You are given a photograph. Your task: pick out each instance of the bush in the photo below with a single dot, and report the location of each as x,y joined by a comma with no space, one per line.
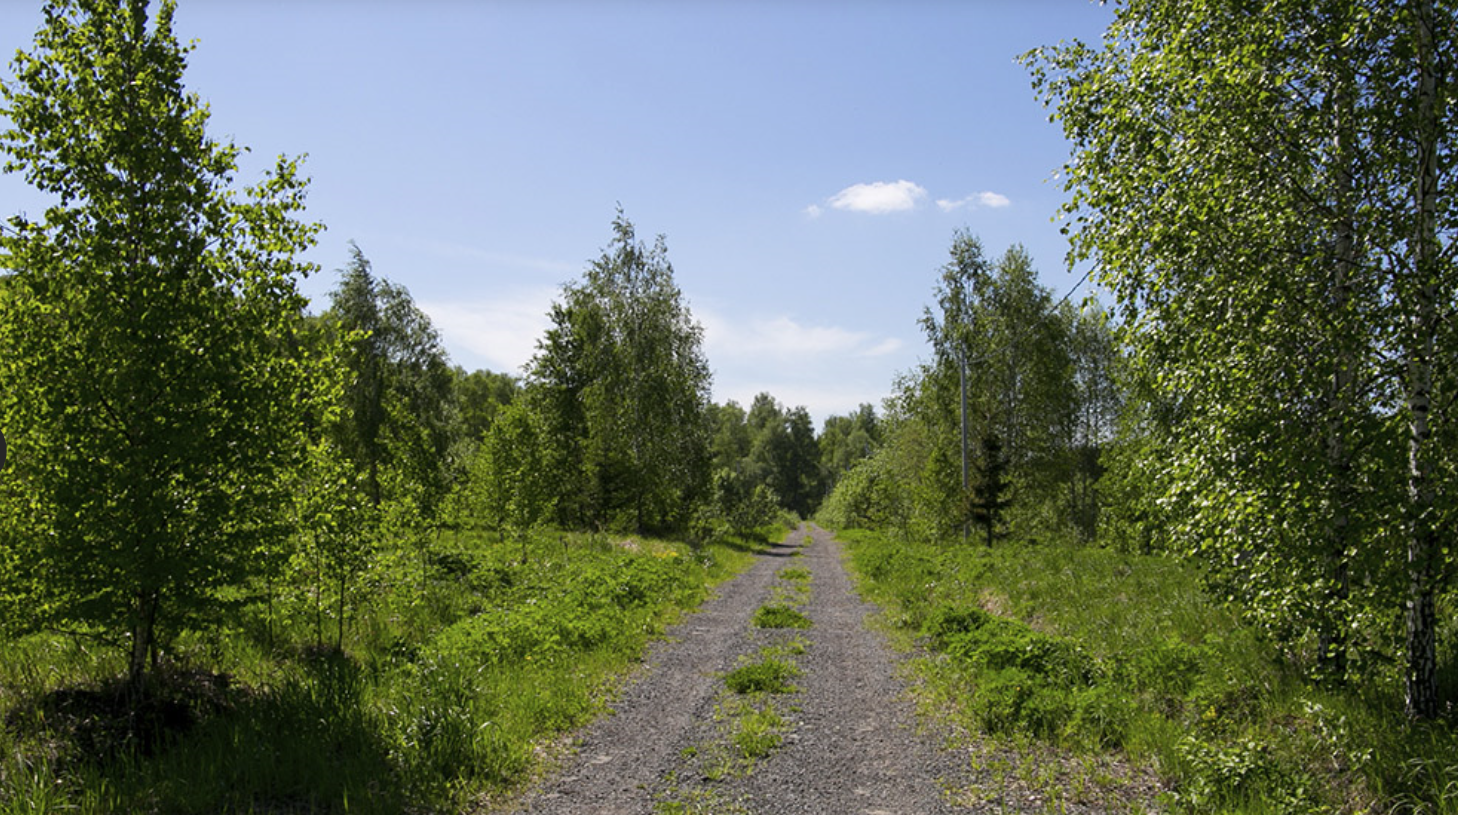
1232,777
998,644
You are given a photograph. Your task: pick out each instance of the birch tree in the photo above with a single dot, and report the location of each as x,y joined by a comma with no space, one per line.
1261,188
151,385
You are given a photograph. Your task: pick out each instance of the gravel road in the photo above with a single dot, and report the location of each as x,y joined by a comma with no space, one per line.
848,738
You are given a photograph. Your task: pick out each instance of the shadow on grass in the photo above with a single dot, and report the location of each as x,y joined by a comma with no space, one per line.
309,744
197,745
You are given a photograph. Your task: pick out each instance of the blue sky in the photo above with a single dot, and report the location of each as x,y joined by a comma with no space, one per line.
808,162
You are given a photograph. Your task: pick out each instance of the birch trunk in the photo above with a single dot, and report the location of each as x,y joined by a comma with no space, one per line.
1422,549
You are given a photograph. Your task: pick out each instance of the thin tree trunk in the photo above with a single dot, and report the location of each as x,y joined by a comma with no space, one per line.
1422,549
339,641
144,632
318,592
1335,617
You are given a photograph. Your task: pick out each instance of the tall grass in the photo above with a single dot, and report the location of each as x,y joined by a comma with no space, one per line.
1094,651
449,679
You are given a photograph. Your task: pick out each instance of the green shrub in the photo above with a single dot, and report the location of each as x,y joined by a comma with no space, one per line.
945,623
998,644
1147,661
1237,776
997,702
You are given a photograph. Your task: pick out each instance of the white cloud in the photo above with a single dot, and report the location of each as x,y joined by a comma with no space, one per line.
890,345
783,339
879,198
502,332
813,211
980,199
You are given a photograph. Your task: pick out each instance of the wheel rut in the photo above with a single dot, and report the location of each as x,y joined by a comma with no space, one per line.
847,737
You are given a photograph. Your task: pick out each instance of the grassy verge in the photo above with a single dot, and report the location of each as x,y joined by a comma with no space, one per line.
445,690
1115,661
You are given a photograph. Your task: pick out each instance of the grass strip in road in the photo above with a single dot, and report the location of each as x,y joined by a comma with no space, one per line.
794,574
769,675
779,616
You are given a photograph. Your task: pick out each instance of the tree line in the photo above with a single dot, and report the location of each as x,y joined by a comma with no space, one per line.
1004,429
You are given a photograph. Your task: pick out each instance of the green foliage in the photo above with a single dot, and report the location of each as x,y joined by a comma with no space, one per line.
769,448
336,522
987,494
872,495
1283,299
622,388
737,506
480,396
509,486
1239,776
1039,400
399,423
757,733
993,643
147,338
591,609
779,616
766,676
846,440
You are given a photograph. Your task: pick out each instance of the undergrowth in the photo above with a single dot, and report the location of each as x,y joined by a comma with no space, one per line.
1097,653
449,677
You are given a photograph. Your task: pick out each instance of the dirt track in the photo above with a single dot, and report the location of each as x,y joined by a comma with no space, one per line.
849,740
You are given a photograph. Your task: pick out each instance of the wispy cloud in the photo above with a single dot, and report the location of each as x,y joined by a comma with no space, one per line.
827,369
879,198
782,339
976,199
813,210
501,332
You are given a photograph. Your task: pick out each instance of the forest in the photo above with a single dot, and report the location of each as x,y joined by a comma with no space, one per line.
1206,527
